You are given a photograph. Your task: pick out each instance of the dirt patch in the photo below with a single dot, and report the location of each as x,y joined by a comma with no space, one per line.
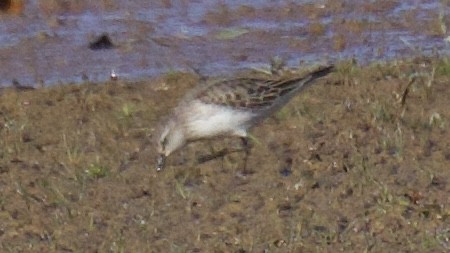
344,166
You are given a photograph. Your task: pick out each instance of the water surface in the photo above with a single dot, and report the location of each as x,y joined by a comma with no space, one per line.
48,42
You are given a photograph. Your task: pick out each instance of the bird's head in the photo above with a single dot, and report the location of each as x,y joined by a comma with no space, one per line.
171,139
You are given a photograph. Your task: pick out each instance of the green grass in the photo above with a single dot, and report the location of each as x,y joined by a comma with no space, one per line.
97,171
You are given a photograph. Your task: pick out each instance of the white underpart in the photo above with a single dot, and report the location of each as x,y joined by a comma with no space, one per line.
208,120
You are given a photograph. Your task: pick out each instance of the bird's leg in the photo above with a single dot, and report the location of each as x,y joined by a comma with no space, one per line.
246,148
217,154
212,156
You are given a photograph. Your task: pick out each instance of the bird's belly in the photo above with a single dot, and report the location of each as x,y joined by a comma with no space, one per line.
215,120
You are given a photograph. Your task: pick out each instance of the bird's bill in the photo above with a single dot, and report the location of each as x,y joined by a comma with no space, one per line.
161,162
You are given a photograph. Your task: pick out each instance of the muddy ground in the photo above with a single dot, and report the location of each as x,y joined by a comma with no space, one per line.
345,166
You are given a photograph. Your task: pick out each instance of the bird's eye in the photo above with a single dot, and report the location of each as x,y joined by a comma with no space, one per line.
163,142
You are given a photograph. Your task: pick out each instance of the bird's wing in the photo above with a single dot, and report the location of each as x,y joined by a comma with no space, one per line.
255,93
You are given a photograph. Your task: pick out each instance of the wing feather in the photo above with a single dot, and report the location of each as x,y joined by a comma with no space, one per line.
256,93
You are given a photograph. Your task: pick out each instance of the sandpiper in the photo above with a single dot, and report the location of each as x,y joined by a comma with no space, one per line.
229,108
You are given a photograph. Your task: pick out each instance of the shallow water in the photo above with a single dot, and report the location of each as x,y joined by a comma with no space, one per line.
47,43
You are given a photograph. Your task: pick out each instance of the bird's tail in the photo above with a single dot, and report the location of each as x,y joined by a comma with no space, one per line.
322,71
288,88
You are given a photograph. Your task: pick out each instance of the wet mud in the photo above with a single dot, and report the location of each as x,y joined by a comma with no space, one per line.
47,42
